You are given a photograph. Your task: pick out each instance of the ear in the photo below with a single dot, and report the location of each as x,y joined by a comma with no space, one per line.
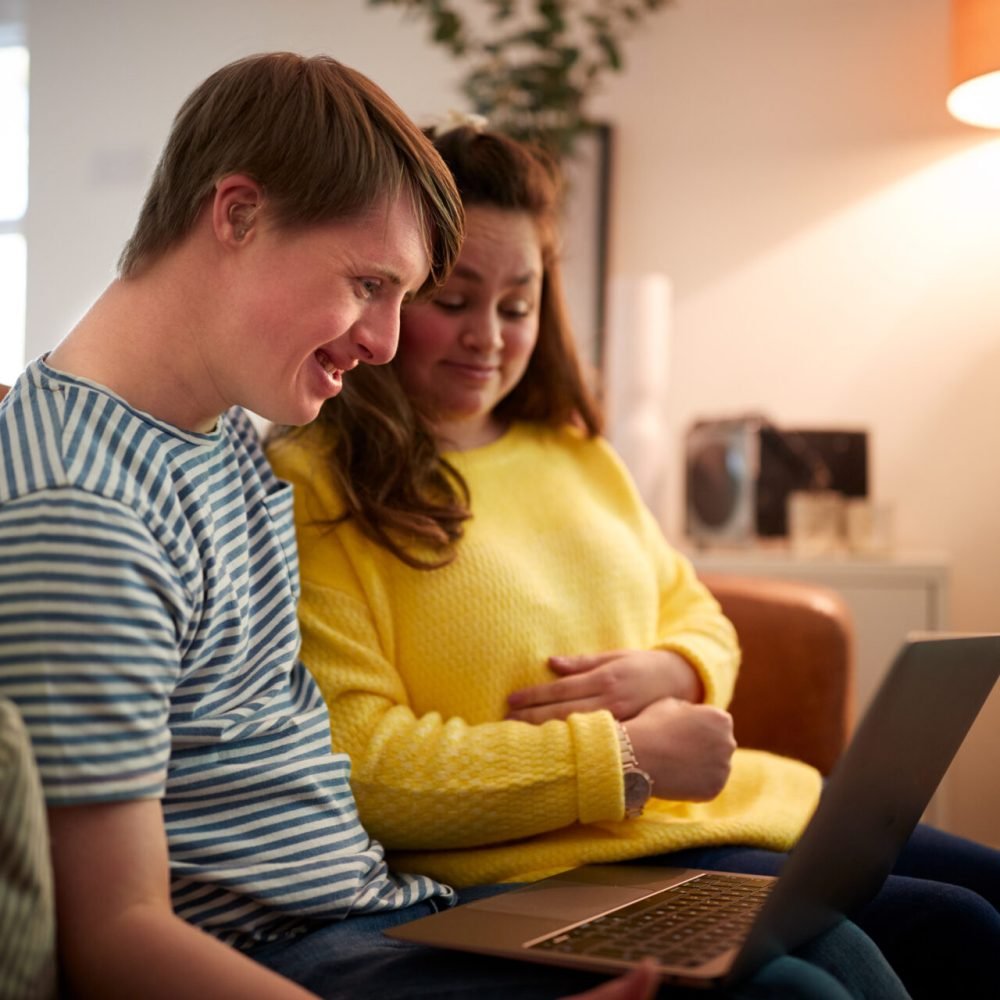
235,208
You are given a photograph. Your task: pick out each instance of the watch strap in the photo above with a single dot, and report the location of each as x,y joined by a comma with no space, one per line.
638,783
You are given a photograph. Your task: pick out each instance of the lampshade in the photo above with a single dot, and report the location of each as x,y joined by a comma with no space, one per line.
975,61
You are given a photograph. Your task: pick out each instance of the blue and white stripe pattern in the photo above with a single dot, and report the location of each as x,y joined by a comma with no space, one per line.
148,587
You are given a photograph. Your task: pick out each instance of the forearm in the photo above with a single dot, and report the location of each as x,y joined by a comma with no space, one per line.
149,952
428,783
713,661
117,932
692,625
424,780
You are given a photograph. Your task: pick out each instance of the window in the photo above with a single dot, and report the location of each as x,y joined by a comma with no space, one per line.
13,201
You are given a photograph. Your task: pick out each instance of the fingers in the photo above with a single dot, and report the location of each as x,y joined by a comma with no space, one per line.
618,681
650,674
639,984
558,700
573,688
622,681
585,661
687,748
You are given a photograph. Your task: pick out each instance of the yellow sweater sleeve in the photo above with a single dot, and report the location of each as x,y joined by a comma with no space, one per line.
693,625
493,781
427,778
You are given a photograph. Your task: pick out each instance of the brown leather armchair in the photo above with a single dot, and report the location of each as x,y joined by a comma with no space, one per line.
795,688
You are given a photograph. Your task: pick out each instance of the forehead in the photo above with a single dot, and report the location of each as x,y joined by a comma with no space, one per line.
390,237
500,241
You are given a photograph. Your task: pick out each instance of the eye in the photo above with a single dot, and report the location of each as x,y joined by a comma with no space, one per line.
517,308
450,302
369,287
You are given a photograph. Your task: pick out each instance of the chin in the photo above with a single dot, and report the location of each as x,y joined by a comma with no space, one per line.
296,415
305,416
467,407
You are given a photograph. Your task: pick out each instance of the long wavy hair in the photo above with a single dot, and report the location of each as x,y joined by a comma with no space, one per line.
398,488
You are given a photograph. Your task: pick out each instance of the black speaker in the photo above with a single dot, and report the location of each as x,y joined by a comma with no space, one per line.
740,471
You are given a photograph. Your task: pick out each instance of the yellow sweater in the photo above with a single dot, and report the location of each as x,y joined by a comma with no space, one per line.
561,557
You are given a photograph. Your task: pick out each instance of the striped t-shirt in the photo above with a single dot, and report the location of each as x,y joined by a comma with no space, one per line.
148,588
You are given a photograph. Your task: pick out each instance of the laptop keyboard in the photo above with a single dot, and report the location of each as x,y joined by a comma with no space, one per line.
685,925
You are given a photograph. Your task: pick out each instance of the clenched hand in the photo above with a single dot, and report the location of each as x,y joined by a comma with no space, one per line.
687,749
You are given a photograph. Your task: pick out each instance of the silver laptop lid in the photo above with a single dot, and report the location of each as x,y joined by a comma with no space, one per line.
879,788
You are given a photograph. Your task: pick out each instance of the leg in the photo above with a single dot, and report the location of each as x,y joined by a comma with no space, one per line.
933,854
942,939
844,961
352,959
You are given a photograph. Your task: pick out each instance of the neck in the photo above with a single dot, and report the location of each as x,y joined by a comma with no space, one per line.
465,435
141,339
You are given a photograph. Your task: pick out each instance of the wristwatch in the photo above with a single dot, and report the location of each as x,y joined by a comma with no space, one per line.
638,783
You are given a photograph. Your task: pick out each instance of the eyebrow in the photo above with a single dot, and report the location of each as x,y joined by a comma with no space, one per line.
390,275
394,279
471,275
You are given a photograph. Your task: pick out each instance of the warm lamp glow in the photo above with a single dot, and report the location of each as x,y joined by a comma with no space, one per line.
975,61
977,101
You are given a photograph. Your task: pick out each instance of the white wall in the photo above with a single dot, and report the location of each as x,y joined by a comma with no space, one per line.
107,76
832,235
834,241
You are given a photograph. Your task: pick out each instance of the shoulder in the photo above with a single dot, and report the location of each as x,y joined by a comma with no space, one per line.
60,431
529,441
586,462
547,460
33,422
72,442
591,453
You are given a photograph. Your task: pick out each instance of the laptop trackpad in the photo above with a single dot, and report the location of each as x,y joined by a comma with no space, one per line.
562,902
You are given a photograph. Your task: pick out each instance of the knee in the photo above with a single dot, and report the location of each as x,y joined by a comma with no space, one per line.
945,911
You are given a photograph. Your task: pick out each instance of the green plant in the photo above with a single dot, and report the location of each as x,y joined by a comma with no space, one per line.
533,67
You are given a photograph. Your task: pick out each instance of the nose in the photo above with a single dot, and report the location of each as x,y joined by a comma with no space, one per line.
482,332
377,341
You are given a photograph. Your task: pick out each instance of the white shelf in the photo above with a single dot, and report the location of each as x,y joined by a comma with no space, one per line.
888,597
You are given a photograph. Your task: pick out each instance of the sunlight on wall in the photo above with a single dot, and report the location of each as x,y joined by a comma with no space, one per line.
883,314
899,277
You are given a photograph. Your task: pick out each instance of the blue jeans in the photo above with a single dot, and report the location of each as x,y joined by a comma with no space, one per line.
353,960
936,918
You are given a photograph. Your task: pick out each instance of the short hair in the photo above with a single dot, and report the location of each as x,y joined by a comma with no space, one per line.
322,140
396,485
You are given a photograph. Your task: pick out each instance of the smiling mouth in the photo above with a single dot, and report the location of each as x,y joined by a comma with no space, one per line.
327,365
476,371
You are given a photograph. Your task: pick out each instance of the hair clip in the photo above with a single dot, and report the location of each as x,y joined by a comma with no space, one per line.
461,119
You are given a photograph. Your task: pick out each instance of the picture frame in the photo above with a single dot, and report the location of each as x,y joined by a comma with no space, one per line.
585,233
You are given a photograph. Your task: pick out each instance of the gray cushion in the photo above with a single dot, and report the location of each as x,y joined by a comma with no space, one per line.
27,913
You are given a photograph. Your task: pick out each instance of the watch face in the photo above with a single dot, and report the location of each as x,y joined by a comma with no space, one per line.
638,788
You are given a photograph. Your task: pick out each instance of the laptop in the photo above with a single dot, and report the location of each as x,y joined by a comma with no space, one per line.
714,928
